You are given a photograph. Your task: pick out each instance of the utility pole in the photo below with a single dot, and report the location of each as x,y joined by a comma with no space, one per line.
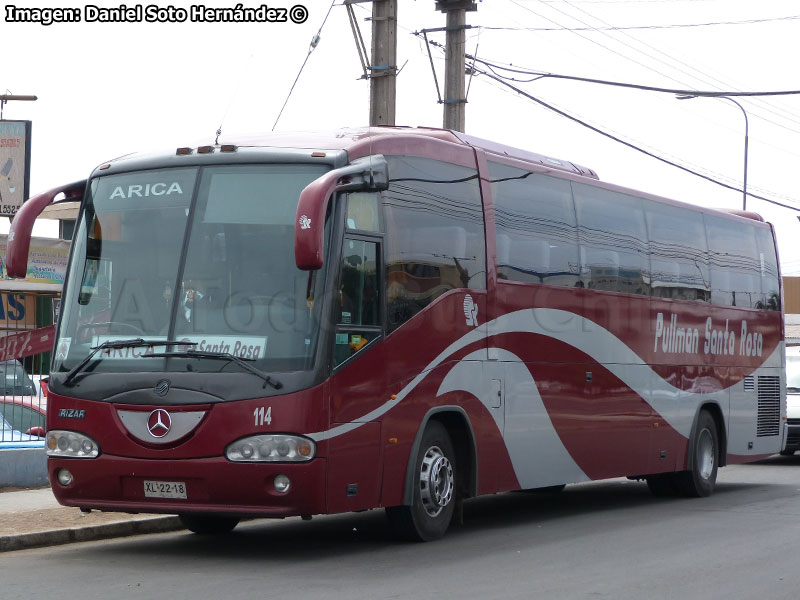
454,76
383,66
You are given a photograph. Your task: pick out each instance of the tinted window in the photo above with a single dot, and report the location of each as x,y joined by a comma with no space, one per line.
434,234
768,263
358,320
358,290
735,268
536,234
678,252
613,240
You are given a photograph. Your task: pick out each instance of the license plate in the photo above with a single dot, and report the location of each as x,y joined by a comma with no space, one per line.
165,489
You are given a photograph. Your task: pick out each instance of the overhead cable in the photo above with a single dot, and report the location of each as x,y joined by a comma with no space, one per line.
628,27
628,144
311,47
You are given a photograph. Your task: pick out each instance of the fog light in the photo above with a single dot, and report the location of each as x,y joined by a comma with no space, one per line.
64,477
282,484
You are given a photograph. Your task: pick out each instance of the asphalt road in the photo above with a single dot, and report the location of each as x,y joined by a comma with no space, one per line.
599,540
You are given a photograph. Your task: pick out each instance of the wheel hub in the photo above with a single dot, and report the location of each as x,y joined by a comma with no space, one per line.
435,481
705,452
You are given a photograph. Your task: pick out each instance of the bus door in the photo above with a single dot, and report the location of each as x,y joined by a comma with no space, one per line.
358,384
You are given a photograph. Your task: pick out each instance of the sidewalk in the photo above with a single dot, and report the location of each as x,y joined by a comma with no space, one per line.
32,517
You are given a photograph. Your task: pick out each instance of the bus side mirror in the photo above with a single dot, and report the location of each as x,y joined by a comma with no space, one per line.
370,173
19,234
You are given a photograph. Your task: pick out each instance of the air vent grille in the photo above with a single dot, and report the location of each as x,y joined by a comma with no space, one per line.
769,406
749,383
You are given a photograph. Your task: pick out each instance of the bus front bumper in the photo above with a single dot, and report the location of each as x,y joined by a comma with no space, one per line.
210,485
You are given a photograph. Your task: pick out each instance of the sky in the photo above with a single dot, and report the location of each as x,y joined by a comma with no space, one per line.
109,89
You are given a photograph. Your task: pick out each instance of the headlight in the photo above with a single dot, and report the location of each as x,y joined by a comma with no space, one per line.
271,448
68,444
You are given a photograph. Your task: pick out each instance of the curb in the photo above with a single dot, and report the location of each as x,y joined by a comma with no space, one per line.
55,537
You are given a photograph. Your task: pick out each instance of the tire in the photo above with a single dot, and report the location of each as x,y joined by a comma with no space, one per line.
208,524
701,477
435,490
787,452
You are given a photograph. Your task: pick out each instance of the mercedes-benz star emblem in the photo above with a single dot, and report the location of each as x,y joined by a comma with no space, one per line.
159,423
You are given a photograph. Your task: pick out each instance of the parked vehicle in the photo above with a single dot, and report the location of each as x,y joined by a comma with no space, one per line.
9,434
25,414
23,404
792,401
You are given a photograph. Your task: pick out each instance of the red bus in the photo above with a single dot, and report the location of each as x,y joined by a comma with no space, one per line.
398,318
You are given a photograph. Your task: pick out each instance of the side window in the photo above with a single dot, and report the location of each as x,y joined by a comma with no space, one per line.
434,234
358,302
613,240
362,211
535,222
768,264
735,268
678,252
21,417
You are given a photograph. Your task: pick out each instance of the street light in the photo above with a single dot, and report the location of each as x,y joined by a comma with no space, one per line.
4,98
746,138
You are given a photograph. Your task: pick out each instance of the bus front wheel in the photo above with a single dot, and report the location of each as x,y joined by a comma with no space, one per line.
434,482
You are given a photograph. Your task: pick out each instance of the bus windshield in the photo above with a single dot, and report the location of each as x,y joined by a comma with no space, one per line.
204,255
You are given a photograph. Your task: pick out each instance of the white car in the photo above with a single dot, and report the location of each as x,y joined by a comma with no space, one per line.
792,400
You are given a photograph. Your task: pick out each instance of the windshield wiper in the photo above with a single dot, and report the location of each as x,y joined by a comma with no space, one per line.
224,356
116,345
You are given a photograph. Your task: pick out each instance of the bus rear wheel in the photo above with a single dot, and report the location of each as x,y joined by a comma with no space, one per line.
701,477
208,524
434,500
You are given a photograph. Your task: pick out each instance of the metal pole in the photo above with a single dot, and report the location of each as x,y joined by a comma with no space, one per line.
746,143
383,70
746,139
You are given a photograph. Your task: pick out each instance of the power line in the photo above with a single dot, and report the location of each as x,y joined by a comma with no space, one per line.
595,42
791,118
542,74
492,65
627,27
628,144
699,171
623,1
703,76
311,47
